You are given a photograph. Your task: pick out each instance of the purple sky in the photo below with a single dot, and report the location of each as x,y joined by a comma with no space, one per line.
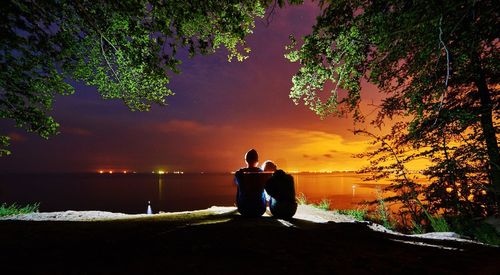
220,110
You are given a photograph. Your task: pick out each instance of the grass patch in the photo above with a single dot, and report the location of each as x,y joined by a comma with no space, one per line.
14,209
323,204
417,228
486,233
301,199
382,212
439,224
476,229
358,214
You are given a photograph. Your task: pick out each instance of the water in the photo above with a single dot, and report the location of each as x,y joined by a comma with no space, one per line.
130,193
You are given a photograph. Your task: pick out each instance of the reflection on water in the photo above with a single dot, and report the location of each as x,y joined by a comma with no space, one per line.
160,188
344,190
130,193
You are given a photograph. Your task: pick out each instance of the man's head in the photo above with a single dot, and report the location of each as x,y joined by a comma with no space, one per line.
252,158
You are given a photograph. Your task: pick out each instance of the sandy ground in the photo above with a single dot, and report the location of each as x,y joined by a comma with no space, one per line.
304,212
218,240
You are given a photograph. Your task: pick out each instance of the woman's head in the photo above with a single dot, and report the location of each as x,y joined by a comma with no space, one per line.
269,166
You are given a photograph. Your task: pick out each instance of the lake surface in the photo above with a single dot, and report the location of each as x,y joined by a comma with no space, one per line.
129,193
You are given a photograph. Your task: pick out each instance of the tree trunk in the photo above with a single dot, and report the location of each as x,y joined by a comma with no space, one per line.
488,129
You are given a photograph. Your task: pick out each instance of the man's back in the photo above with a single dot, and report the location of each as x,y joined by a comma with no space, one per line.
250,197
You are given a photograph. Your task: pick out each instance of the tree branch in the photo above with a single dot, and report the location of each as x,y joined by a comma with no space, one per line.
441,42
107,61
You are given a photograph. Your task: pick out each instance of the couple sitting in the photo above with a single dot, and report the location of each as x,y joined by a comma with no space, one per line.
252,181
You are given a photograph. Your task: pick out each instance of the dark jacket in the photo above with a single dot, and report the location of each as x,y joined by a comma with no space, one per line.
250,197
281,188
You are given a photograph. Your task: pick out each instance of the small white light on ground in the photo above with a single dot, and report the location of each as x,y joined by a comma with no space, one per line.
150,211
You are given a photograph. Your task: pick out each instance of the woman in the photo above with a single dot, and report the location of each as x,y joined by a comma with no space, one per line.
281,189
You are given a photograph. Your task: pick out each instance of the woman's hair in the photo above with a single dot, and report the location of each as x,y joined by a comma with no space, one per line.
269,166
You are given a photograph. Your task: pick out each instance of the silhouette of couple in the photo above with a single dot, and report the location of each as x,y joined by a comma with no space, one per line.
252,181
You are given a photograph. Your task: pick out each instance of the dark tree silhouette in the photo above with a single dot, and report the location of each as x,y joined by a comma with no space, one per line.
437,62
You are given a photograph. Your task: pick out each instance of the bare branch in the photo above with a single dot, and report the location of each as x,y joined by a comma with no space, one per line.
107,61
271,14
441,42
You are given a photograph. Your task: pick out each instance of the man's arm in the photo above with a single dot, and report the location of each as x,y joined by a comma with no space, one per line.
237,177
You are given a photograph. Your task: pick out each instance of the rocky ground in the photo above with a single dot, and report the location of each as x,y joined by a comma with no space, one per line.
218,240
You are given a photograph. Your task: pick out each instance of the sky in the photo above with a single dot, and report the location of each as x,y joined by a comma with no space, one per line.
220,111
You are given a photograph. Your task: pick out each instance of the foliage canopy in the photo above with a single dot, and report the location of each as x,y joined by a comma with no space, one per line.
124,48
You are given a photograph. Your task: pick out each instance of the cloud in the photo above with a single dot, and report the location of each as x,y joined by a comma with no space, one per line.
16,137
303,149
183,126
222,146
77,131
317,142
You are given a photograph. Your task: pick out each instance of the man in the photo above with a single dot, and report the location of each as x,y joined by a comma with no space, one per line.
250,197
